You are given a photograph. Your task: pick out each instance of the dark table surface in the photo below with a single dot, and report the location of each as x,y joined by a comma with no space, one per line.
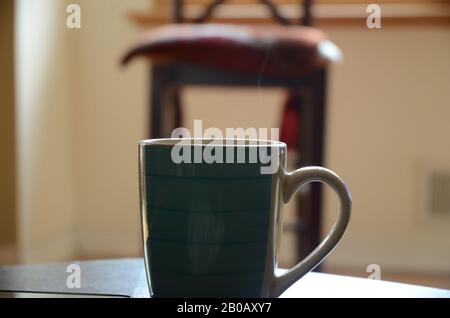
126,277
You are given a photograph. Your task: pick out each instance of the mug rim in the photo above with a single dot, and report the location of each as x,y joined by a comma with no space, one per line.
248,143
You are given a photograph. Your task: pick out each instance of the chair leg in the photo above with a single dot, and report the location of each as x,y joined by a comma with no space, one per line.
311,145
178,111
165,104
319,99
159,90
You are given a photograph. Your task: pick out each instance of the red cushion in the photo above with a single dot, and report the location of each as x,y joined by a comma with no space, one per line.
276,50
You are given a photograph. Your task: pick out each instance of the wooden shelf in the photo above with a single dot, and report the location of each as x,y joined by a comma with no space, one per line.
326,12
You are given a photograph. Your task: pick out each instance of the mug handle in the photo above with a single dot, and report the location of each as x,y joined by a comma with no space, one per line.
291,183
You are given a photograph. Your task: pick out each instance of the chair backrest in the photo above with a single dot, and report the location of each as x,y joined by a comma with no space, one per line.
178,14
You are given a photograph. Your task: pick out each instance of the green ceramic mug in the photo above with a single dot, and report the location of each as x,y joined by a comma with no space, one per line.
211,227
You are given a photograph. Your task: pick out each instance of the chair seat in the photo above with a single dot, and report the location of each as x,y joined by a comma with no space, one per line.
270,50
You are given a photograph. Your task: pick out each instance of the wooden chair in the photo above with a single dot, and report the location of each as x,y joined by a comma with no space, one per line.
287,56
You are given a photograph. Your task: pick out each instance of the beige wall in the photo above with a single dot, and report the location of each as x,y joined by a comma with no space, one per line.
7,152
45,134
387,117
76,164
389,109
109,117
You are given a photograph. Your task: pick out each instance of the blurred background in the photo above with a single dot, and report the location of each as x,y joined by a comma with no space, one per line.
71,117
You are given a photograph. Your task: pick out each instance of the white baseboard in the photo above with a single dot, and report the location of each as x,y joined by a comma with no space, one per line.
52,247
403,261
108,245
57,250
8,254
